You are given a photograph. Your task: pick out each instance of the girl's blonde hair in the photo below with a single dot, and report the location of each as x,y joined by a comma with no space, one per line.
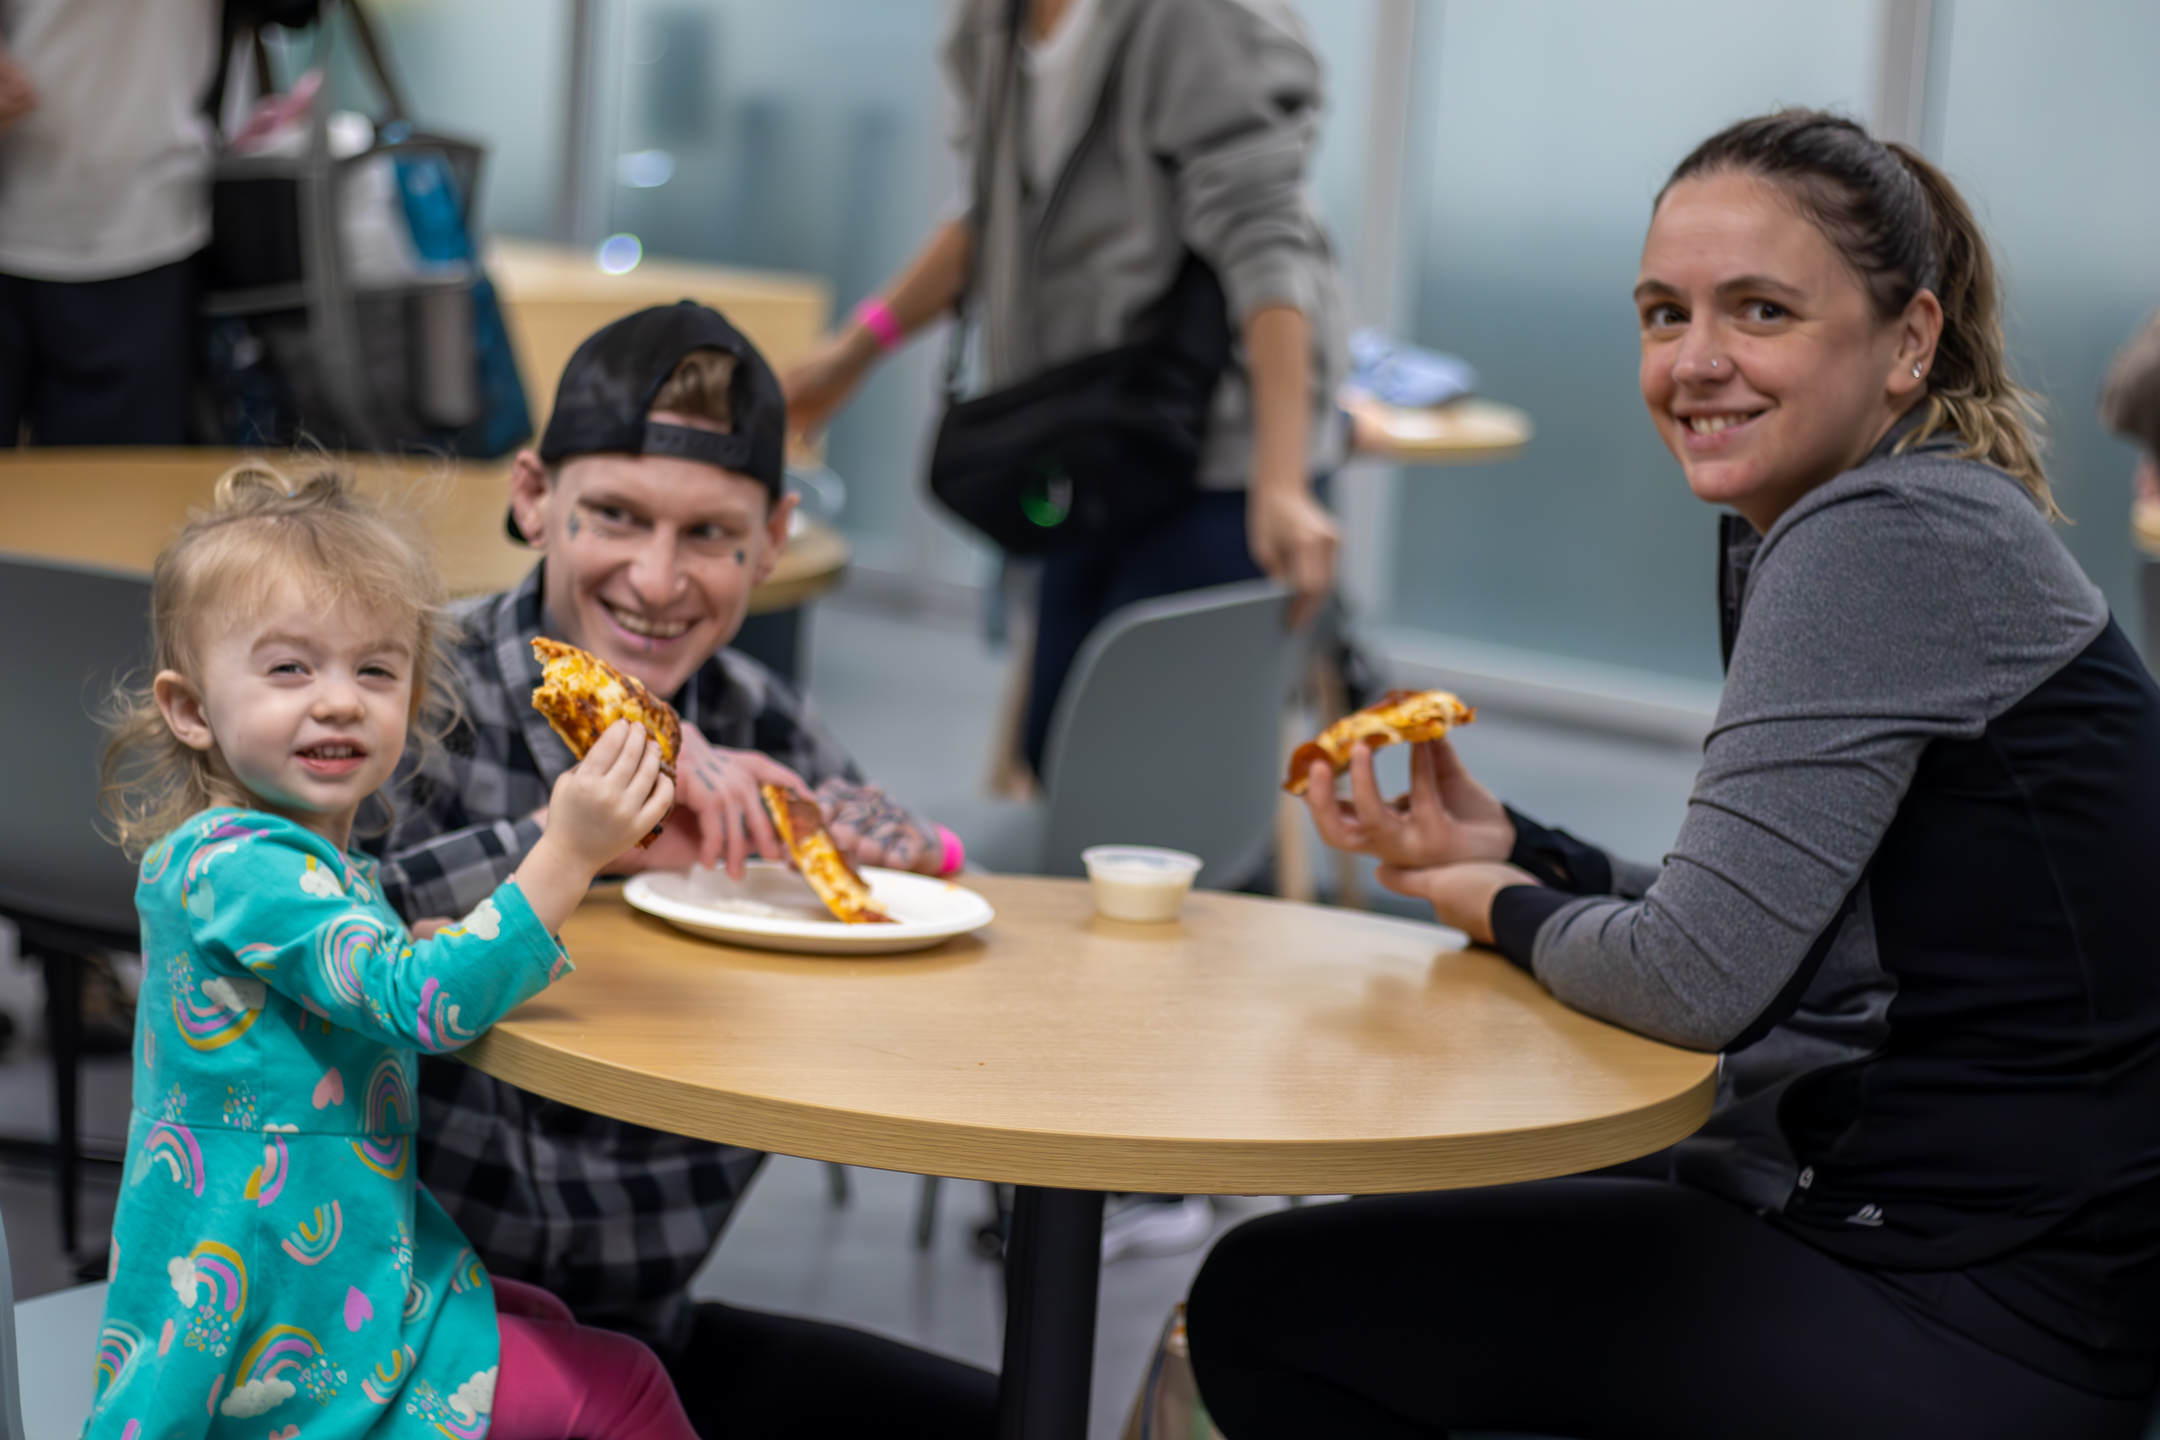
262,531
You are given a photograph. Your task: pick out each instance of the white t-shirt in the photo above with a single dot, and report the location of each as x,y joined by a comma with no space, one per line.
1056,114
107,177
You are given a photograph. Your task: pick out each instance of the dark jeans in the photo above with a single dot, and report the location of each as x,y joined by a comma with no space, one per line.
97,362
745,1373
1203,544
1597,1309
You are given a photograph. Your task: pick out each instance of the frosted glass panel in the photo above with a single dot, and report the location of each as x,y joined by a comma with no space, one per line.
2048,120
809,136
1342,33
490,71
1544,130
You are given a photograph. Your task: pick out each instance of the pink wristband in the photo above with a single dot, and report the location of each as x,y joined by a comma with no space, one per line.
955,854
876,316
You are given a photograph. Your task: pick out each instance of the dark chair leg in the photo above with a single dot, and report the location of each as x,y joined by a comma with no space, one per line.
836,1179
63,1036
926,1213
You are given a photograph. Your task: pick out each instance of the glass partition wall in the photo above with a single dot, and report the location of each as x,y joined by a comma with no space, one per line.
813,136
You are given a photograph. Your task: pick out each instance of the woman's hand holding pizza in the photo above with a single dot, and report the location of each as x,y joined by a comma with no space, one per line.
1446,818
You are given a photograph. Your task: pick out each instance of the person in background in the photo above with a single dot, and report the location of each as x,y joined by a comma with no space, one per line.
1140,129
104,200
656,502
2130,406
1909,904
1136,131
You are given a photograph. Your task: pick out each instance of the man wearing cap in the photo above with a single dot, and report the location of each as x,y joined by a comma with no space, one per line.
656,501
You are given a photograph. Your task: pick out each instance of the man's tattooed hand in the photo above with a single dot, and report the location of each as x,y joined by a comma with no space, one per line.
719,814
873,829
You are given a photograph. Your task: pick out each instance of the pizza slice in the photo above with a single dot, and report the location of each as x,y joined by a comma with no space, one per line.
581,695
802,829
1402,716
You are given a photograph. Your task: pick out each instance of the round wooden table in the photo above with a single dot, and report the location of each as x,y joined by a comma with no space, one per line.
1254,1047
117,508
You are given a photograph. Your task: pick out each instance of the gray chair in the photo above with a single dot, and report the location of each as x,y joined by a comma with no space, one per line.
58,1335
1169,732
69,632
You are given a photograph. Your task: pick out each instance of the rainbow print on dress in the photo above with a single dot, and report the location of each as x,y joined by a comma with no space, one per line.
173,1147
467,1273
438,1020
267,1181
317,1236
387,1145
284,1358
344,946
212,1283
382,1387
218,1011
119,1347
464,1415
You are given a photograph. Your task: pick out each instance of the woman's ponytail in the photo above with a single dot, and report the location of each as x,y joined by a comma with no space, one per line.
1902,225
1970,392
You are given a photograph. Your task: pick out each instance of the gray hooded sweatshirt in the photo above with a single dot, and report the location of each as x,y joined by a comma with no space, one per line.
1201,119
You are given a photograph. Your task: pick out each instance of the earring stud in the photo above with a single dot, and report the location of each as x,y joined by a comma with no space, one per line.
1916,369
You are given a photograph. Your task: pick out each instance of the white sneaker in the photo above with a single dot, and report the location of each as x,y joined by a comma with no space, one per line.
1149,1227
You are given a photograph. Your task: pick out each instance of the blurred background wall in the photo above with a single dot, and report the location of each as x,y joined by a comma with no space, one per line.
1487,172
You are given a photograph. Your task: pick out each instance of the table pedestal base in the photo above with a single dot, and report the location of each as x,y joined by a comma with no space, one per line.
1053,1265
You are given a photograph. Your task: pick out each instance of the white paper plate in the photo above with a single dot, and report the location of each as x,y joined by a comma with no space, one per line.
773,908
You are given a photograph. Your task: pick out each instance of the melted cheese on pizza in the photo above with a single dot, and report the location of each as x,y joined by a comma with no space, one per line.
802,830
1403,716
581,695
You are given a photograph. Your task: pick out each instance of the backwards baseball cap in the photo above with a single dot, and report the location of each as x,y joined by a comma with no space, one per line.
608,387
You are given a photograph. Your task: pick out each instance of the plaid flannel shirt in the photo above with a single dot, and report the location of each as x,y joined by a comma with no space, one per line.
613,1217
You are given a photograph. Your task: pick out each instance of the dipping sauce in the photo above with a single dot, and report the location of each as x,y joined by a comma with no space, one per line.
1139,882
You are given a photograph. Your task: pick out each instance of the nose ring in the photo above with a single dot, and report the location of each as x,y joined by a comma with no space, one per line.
1715,363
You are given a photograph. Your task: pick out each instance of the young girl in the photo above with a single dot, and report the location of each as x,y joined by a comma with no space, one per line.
275,1268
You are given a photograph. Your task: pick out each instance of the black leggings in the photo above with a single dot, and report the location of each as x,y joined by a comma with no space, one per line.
746,1373
1597,1309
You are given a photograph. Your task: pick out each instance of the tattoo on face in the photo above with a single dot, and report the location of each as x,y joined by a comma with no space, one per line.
742,557
573,524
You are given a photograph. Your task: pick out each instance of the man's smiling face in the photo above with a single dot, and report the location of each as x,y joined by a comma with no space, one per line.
650,558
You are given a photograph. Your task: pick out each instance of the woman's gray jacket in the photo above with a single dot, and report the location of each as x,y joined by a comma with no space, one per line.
1205,117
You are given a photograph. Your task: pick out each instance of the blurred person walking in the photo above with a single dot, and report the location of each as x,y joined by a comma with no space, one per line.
1109,140
104,156
2130,405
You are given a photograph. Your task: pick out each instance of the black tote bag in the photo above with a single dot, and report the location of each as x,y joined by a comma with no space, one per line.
1092,452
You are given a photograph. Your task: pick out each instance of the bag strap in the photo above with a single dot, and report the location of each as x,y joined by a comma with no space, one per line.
243,20
987,140
372,52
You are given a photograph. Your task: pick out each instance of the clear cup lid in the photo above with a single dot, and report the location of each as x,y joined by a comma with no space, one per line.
1141,861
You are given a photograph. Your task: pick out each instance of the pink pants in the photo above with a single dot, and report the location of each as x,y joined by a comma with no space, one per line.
564,1381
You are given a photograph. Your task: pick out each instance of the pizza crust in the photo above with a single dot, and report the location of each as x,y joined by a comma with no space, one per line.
580,695
802,830
1402,716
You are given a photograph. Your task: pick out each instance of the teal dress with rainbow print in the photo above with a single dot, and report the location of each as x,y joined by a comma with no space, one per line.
276,1270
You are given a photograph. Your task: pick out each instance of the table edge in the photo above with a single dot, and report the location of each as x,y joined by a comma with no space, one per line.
1363,1165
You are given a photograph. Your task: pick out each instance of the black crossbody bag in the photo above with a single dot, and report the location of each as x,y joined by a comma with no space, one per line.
1092,452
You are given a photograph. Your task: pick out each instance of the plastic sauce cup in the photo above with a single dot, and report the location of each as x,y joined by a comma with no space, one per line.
1139,882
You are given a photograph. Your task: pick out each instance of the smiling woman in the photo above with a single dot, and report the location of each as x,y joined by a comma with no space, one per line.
1906,906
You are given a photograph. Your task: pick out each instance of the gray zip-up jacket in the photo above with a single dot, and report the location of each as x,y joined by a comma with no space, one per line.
1204,117
1911,902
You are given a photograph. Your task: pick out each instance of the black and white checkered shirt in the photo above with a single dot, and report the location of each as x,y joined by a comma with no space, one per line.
612,1217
